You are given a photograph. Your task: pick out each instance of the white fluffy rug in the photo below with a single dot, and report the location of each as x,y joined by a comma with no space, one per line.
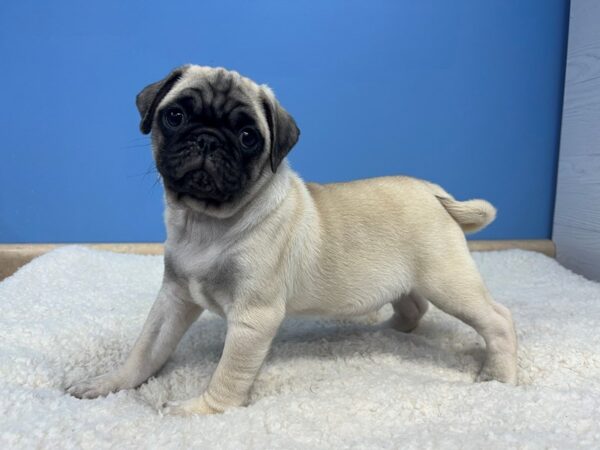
74,313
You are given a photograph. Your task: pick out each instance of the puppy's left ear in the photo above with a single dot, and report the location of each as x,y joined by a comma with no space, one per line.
282,126
148,100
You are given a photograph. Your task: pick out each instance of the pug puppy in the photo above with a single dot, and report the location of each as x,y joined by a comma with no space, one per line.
252,242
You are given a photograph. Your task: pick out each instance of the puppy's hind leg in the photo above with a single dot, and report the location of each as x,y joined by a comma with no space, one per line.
455,286
408,310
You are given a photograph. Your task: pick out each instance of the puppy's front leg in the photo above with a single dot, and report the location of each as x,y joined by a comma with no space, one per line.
248,340
169,318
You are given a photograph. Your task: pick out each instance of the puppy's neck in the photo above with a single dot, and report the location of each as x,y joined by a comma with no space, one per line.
181,219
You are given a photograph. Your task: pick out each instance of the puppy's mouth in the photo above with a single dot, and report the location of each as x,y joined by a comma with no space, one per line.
212,177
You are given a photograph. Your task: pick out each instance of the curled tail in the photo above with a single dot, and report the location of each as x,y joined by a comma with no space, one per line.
471,215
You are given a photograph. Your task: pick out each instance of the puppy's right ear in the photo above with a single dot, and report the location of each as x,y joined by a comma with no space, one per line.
148,100
282,126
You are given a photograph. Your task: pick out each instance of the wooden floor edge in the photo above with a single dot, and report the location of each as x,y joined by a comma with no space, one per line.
13,256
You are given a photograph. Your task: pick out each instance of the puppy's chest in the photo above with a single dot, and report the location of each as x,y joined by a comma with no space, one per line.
209,273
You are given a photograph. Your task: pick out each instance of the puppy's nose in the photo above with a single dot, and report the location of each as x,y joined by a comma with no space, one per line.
208,142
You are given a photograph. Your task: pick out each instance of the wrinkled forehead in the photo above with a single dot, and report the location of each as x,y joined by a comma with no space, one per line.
220,92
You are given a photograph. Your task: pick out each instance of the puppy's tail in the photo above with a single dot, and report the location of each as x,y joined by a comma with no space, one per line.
471,215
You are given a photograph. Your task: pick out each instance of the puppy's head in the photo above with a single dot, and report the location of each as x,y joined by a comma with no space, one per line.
217,136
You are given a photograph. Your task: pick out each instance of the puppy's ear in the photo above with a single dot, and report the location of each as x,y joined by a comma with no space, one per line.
148,100
283,128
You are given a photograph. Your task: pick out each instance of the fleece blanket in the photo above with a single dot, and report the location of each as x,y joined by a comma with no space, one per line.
75,312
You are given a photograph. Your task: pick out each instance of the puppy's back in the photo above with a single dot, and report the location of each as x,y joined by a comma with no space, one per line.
410,200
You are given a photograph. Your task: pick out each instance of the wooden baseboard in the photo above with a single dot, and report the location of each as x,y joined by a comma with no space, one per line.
545,246
13,256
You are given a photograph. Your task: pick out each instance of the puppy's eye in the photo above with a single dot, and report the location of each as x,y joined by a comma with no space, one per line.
173,118
248,138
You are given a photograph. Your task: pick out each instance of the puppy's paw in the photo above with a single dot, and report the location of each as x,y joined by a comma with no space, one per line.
189,407
408,311
505,373
95,387
400,323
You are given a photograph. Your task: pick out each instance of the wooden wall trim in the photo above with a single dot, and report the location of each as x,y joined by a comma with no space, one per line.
13,256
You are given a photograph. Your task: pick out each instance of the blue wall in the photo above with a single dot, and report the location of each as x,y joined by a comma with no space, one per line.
464,93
